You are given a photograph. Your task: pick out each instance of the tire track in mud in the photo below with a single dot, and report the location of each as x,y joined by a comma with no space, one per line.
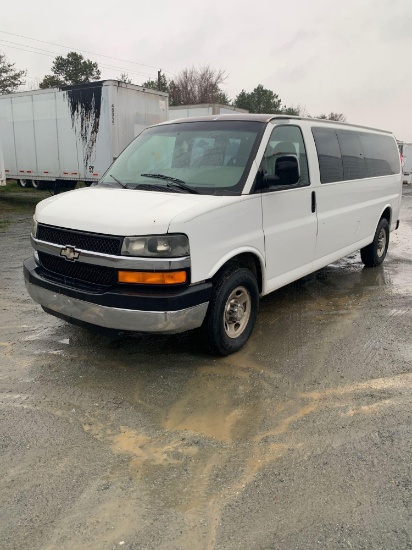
202,456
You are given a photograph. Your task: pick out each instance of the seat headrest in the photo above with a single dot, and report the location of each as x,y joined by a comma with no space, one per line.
284,147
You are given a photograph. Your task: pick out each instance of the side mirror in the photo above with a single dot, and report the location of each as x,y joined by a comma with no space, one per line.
287,170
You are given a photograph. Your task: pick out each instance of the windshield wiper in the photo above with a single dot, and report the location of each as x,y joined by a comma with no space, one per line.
118,181
172,181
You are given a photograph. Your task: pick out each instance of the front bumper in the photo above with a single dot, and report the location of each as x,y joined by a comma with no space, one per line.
168,312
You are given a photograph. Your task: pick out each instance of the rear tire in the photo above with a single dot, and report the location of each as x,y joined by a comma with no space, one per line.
39,185
25,183
232,311
374,254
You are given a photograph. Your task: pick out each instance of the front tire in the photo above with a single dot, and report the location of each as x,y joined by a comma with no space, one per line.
232,311
374,254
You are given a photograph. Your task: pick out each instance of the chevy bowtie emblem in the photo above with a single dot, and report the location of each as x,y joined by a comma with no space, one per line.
70,253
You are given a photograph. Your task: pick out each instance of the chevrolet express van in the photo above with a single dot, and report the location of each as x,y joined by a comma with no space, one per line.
198,218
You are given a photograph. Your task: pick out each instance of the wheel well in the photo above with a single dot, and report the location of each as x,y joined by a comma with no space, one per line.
386,214
248,260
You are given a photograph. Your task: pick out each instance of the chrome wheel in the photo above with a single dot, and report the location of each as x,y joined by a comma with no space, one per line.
237,312
381,244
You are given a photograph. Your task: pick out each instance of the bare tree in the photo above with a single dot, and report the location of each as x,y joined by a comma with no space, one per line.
198,85
295,110
124,77
337,117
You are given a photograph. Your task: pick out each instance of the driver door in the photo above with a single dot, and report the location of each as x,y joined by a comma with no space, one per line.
289,211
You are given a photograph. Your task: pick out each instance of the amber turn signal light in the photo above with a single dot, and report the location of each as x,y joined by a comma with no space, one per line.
147,278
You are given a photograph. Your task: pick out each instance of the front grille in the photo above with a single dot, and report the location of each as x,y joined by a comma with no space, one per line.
79,239
98,275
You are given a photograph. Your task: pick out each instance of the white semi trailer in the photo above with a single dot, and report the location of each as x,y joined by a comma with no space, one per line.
57,137
407,162
2,171
202,109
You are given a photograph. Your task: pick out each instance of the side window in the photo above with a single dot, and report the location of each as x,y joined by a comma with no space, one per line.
352,155
381,155
329,155
286,140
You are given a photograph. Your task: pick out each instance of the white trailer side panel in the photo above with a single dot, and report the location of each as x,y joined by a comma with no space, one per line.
2,172
7,136
45,129
24,137
204,109
185,112
134,110
407,158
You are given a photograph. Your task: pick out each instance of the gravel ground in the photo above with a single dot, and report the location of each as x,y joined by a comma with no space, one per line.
300,441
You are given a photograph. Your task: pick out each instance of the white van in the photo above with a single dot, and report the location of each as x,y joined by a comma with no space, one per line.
199,217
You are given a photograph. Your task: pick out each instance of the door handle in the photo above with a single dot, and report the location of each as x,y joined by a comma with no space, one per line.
313,201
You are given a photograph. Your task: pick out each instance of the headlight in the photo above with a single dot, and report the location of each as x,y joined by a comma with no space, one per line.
34,227
157,246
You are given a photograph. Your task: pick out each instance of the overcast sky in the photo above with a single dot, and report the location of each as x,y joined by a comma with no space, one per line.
348,56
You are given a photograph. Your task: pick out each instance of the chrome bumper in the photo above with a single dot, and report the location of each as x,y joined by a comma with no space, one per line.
167,322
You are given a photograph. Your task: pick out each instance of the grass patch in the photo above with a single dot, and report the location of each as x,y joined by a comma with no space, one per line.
4,224
18,200
15,200
13,187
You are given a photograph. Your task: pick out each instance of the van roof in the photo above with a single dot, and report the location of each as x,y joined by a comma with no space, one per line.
264,118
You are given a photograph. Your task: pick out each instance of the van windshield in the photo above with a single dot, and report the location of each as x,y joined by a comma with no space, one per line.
207,157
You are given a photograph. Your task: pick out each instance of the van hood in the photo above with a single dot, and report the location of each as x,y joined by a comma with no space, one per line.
113,211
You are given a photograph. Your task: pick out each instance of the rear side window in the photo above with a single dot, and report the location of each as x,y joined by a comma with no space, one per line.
329,155
381,155
349,155
352,155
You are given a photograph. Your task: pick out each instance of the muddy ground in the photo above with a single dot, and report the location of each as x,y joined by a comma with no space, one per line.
300,441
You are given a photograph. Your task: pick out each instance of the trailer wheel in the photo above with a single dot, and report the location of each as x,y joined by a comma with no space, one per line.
374,254
39,185
24,183
232,310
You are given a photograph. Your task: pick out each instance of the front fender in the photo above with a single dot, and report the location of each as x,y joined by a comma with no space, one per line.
236,253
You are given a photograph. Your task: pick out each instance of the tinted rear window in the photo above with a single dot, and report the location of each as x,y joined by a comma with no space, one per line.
349,154
352,155
329,155
381,154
